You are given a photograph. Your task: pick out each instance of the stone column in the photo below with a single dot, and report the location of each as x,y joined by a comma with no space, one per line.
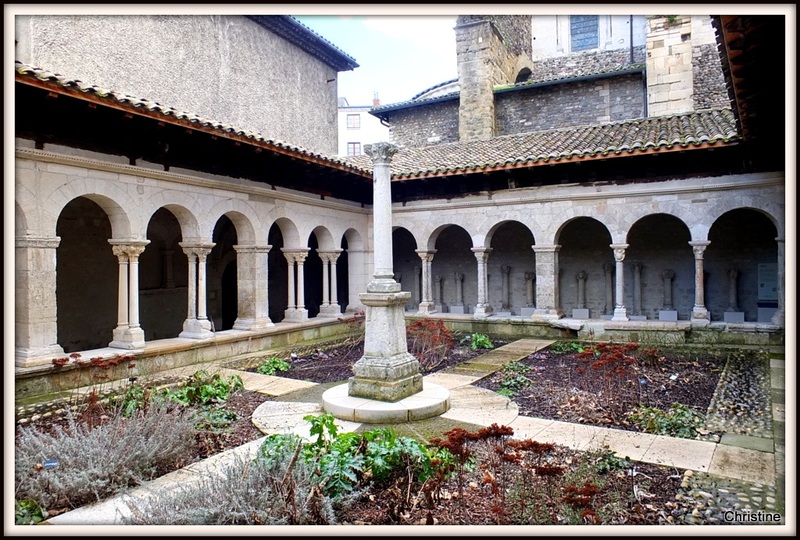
506,272
252,275
387,371
437,291
620,313
296,310
733,297
700,315
196,327
128,334
458,278
530,282
581,277
637,288
169,279
426,304
608,273
483,308
330,305
35,306
779,317
667,276
547,295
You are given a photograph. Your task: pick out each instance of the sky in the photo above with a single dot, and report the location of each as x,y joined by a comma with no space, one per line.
398,56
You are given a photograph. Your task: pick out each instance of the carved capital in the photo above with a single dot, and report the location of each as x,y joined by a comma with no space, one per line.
381,153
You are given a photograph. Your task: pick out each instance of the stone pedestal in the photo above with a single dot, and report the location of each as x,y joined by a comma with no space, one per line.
387,371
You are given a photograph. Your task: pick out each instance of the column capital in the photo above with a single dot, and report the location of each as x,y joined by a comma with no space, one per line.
552,248
381,152
329,255
131,248
253,248
619,251
199,249
426,255
699,246
505,268
41,242
481,253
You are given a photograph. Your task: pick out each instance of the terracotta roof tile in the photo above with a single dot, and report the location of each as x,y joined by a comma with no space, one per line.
25,70
689,130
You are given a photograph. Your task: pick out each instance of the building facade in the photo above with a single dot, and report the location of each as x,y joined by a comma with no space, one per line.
358,128
139,227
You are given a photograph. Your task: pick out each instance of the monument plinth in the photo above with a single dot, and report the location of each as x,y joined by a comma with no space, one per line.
386,386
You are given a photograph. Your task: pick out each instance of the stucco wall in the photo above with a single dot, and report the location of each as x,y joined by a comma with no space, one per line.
224,68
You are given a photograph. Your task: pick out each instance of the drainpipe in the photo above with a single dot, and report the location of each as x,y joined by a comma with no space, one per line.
631,25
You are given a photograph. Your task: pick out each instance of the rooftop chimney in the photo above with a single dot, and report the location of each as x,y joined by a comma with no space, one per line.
375,101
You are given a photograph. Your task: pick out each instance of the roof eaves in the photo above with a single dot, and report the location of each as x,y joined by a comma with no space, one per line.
302,36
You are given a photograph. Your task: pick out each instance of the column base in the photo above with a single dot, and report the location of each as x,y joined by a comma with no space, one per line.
545,314
196,329
25,356
700,316
620,314
128,338
296,315
253,325
331,310
386,378
482,311
426,308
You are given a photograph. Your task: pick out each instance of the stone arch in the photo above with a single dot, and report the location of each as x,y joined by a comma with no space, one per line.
583,259
324,238
20,220
163,273
112,200
87,274
456,265
406,264
289,232
510,264
175,202
244,218
658,247
741,264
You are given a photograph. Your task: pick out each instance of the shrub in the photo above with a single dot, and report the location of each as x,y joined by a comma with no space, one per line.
479,341
679,421
566,346
203,388
429,341
270,366
94,463
275,488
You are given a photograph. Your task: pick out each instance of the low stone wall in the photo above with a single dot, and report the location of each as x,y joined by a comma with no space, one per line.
49,382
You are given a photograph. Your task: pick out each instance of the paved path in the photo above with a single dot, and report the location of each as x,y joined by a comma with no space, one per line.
732,459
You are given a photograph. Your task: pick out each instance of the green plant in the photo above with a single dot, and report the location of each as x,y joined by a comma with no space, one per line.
478,341
605,461
679,421
566,346
202,388
27,512
215,419
271,365
513,378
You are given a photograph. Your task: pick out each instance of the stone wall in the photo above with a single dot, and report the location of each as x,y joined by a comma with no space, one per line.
573,104
585,63
709,82
222,68
425,125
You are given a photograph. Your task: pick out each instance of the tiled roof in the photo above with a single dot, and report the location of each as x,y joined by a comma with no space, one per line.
631,137
609,71
26,71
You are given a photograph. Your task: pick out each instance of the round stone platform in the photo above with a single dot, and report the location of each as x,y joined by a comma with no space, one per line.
432,401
